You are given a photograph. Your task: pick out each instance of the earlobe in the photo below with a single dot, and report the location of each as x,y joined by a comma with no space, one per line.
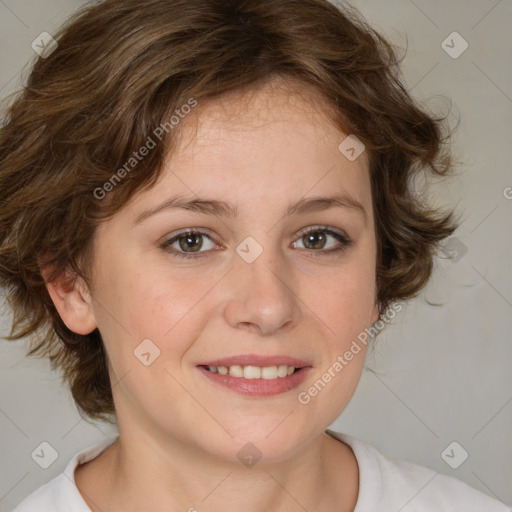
72,301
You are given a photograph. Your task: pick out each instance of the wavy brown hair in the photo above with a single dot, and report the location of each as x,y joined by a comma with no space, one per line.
121,68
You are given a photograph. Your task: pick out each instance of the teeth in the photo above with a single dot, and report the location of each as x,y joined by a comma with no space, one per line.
254,372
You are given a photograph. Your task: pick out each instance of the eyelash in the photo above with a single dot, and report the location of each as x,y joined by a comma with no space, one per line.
343,239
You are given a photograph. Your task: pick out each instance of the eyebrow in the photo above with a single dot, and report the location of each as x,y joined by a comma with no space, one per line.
225,209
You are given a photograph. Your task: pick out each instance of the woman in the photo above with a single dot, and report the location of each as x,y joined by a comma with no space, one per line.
206,204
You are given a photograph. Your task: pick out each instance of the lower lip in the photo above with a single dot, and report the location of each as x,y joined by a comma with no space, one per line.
258,387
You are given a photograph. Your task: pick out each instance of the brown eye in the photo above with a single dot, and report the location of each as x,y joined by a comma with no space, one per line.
188,244
191,241
318,240
314,240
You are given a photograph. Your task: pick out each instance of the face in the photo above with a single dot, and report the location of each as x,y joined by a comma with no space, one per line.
268,273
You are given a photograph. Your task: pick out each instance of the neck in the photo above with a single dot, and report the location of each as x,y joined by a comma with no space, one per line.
149,473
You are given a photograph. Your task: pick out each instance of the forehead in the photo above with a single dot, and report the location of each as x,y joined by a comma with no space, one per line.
263,108
270,145
278,126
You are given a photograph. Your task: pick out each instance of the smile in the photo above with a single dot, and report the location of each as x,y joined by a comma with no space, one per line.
254,372
256,381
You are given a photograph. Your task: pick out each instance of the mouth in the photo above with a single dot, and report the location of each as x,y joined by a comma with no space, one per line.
256,375
253,372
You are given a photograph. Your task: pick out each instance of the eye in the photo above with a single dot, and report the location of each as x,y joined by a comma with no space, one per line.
316,239
187,244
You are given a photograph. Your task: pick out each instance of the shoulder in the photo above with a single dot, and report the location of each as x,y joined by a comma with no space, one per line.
47,497
387,483
61,493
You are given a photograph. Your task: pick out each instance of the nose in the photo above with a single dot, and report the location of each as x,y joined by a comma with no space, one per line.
260,295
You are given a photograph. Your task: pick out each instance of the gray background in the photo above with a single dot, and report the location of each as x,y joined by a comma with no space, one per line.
441,373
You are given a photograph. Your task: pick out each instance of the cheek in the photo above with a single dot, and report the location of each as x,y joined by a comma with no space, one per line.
349,301
157,306
343,298
157,303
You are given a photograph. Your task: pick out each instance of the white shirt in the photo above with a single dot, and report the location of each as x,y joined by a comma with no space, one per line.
385,485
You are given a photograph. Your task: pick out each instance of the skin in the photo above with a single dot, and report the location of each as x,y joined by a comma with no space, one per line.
179,432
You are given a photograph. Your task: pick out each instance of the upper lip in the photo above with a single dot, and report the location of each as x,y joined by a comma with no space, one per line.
257,360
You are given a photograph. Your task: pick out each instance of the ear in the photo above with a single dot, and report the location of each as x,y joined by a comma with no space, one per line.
72,301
